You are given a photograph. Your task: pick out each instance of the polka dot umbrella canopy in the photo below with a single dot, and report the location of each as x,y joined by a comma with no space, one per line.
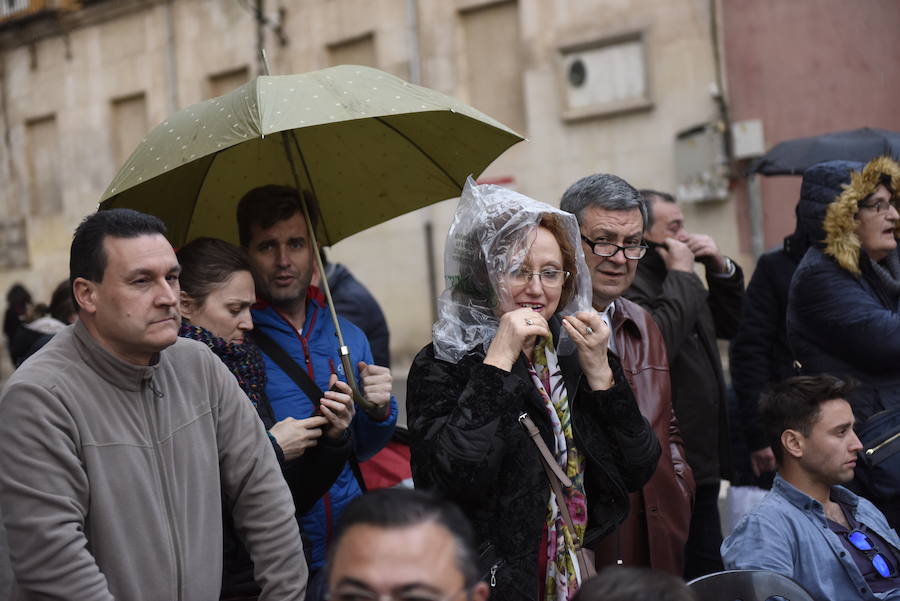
368,146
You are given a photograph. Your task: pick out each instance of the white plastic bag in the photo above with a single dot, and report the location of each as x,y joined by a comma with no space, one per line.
489,238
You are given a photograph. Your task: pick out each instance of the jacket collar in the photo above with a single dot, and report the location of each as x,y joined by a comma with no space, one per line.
624,316
806,503
118,373
266,313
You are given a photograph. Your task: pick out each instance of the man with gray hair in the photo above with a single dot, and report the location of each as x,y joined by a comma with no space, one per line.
612,216
691,318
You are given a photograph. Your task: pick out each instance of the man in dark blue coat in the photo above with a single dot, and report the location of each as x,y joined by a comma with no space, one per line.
760,354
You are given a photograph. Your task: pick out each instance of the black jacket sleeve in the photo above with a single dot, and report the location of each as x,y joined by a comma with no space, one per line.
752,349
459,415
725,300
676,310
635,449
311,475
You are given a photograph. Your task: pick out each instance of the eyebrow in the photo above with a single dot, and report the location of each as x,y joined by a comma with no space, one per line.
611,234
173,270
349,581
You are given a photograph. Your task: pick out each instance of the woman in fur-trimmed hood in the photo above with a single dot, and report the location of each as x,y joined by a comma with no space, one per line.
844,302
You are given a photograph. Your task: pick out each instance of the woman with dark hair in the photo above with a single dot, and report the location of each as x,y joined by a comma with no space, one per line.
29,338
517,341
18,300
216,294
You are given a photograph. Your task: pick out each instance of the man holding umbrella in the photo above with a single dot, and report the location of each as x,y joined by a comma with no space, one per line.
301,351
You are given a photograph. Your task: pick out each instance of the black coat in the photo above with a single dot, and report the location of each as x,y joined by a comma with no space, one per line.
691,318
760,354
849,327
354,301
468,445
308,477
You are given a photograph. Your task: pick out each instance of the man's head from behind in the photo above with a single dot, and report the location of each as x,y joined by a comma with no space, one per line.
617,583
611,215
809,424
407,544
272,229
124,278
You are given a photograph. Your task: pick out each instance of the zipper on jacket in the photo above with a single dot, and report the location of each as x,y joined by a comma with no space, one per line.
876,448
149,412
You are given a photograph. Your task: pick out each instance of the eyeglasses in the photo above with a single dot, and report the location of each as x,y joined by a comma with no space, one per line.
882,205
608,249
365,594
861,541
549,278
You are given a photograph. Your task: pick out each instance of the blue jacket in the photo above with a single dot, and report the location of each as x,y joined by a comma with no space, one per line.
843,325
318,345
787,533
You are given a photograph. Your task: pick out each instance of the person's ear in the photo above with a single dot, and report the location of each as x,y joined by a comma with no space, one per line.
793,443
481,592
85,293
188,306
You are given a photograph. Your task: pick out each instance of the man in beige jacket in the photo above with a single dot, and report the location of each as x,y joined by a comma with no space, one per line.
118,440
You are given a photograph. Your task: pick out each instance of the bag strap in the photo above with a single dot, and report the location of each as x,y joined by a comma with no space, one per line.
302,379
557,477
287,365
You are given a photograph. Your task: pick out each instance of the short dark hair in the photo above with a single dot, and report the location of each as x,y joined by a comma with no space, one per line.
61,306
267,205
87,257
605,191
621,583
795,404
18,296
206,263
648,195
402,508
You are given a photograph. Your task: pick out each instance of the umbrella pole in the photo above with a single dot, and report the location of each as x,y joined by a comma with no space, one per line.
358,397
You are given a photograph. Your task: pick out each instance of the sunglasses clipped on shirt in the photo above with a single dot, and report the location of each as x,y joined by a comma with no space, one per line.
880,562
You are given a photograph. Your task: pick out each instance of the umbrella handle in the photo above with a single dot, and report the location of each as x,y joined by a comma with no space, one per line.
358,397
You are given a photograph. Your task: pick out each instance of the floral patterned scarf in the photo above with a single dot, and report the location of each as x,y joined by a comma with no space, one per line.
563,577
243,360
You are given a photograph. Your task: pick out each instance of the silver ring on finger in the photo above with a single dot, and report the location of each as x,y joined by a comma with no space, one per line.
529,322
589,331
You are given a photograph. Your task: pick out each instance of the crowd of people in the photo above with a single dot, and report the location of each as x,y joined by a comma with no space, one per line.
185,428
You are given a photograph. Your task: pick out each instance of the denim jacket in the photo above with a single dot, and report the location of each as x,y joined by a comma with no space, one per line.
787,533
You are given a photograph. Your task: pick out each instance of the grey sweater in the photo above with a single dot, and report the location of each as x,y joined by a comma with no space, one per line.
111,477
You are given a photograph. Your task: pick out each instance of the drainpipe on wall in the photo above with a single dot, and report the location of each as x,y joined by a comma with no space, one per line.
734,170
171,57
415,77
757,241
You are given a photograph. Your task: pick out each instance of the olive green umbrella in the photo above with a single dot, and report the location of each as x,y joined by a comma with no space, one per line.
365,146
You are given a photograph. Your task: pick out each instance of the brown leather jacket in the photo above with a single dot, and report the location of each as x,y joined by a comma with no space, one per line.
655,532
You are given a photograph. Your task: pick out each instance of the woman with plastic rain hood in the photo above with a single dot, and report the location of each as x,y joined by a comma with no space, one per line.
517,347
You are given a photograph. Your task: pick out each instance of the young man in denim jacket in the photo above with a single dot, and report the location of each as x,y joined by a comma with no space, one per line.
836,544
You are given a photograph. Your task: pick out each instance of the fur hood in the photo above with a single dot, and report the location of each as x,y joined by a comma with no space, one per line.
841,241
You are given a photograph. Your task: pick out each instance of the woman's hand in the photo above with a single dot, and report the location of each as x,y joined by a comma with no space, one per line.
294,436
591,335
337,407
517,330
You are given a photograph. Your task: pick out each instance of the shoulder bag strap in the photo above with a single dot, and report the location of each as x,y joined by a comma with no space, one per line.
558,479
283,360
302,379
